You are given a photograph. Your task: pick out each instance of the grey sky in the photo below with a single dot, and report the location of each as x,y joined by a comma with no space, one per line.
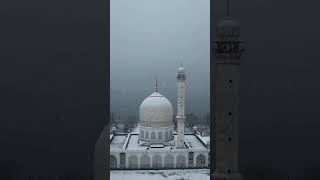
151,38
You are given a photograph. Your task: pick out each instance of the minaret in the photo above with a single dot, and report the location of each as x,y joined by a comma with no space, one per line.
227,53
156,86
181,77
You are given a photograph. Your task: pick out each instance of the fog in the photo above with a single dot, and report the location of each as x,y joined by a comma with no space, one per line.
150,39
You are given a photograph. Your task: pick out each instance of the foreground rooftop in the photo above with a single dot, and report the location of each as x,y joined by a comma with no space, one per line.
198,174
130,142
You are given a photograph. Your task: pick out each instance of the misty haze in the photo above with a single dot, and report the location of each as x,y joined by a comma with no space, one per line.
149,40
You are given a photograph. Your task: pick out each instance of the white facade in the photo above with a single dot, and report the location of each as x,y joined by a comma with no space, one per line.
156,135
131,155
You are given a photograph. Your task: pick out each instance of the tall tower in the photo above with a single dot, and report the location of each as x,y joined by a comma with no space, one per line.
181,77
227,53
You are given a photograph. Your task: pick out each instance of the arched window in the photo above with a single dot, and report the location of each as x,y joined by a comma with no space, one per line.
122,160
201,161
142,133
168,161
166,135
145,162
113,162
181,161
153,135
170,134
133,162
190,159
156,162
147,134
160,135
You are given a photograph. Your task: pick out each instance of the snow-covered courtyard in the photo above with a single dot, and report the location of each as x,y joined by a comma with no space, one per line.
174,174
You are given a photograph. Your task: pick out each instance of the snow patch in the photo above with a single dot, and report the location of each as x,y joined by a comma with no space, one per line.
185,174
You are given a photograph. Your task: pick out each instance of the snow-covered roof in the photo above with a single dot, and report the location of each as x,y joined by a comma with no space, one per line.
194,142
156,145
204,139
118,141
133,144
130,142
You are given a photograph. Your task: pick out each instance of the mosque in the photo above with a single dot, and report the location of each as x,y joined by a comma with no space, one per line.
155,144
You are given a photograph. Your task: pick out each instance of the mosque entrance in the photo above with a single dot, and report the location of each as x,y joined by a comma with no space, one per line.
181,161
145,162
156,162
113,162
133,162
201,161
168,161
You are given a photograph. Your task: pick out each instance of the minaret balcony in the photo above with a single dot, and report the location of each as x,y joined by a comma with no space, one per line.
180,117
181,77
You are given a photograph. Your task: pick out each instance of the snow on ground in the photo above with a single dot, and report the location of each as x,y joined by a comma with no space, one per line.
174,174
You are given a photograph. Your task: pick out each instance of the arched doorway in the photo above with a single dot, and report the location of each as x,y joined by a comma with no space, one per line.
113,162
168,161
133,162
153,135
181,161
145,162
157,162
201,161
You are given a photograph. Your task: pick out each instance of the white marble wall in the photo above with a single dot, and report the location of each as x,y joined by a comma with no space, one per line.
156,131
163,154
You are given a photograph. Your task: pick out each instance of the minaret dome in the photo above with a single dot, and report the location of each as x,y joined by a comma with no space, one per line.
228,28
181,71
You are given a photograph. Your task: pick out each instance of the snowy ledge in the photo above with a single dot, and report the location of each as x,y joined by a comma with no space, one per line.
174,174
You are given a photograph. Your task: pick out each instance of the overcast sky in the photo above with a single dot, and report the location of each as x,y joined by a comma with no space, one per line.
151,39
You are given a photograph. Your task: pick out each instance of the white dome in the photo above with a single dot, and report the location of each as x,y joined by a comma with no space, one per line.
156,111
